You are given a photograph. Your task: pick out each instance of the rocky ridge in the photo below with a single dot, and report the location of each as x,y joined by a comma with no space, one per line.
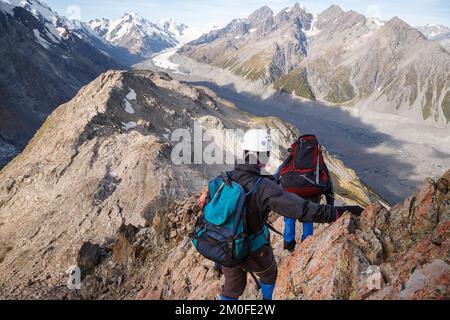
397,253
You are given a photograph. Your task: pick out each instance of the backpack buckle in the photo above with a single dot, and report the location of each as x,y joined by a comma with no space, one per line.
226,178
230,244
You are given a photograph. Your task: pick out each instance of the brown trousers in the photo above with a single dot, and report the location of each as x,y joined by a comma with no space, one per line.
262,263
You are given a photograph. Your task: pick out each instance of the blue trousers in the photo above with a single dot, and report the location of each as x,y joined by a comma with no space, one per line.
289,230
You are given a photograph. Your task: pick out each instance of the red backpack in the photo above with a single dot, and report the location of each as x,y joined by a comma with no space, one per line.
304,172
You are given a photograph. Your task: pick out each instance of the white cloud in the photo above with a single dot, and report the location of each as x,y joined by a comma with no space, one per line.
374,11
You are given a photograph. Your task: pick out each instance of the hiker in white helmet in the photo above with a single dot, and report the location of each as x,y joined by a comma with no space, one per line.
262,196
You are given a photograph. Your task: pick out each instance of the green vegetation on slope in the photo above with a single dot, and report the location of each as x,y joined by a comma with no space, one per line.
411,81
296,82
226,62
341,89
428,106
254,68
446,106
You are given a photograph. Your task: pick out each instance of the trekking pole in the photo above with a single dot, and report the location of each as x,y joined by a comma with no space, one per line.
272,228
255,279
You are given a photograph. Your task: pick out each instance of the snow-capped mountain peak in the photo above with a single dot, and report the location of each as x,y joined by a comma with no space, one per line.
438,33
134,19
55,27
173,27
434,31
296,6
375,23
100,26
37,8
133,32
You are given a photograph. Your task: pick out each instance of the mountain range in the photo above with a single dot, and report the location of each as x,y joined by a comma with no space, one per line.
338,57
66,55
437,32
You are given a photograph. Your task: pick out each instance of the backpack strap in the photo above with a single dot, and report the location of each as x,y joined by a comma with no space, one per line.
318,168
226,181
243,214
219,190
254,186
252,274
241,206
226,176
277,175
271,227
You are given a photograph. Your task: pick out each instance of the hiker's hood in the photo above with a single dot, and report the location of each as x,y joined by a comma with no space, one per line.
245,169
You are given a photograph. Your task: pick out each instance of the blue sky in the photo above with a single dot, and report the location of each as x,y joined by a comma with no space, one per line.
200,12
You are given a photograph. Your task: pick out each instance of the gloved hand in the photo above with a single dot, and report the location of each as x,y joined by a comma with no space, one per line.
354,210
203,198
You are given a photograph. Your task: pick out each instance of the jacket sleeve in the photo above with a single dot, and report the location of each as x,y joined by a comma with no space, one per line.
329,195
292,206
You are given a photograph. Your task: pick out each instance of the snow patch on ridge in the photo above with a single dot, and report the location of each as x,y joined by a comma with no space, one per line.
374,23
128,108
167,134
41,40
129,125
131,95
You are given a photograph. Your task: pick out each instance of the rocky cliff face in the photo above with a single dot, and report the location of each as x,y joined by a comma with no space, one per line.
103,160
337,56
402,253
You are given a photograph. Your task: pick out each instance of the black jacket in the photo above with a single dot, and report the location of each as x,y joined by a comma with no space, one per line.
268,196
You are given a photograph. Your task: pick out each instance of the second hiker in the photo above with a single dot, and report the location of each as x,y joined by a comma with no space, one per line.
305,174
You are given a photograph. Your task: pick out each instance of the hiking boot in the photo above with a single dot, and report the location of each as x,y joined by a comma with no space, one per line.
218,271
289,246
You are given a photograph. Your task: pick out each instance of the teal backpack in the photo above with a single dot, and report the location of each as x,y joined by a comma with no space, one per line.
220,233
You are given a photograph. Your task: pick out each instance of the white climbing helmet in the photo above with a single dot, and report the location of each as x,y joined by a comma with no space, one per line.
257,140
